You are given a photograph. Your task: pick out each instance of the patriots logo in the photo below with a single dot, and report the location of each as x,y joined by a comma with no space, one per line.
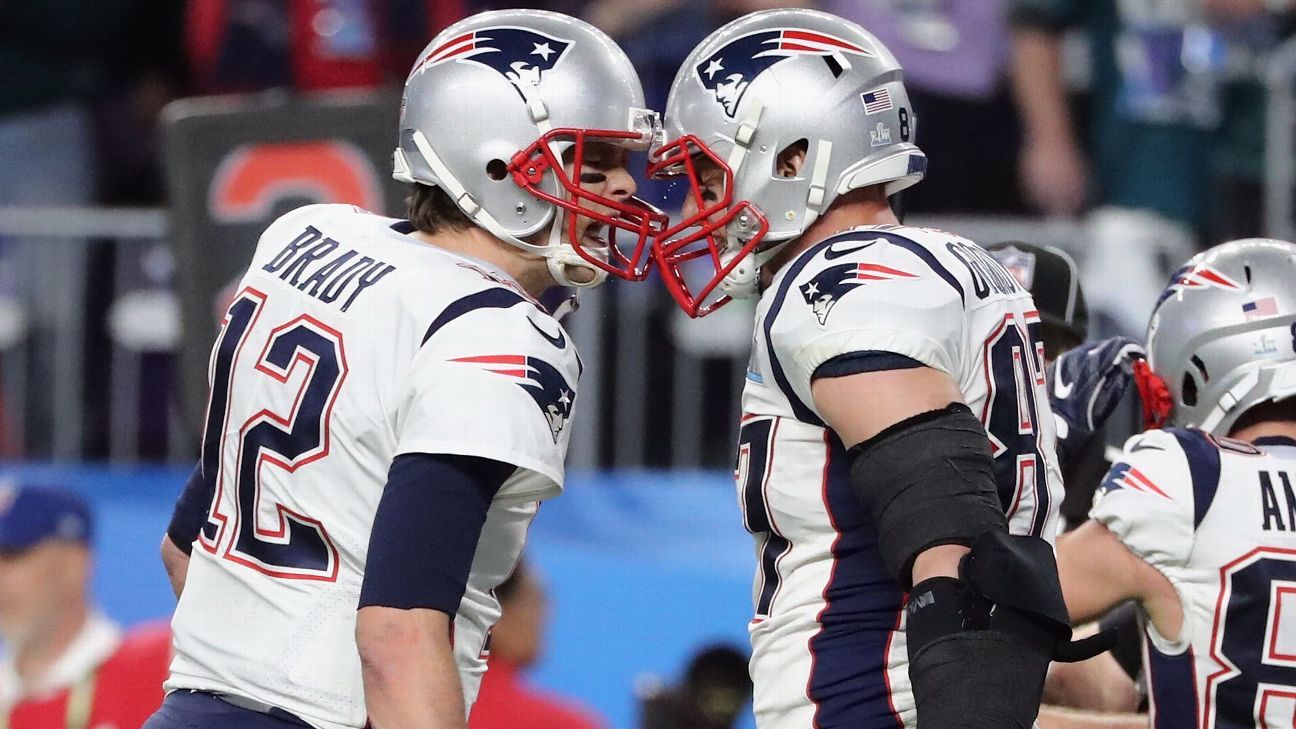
541,380
1124,476
521,55
1197,277
824,290
728,72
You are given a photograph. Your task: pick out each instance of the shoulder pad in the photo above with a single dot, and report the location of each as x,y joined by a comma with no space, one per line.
862,291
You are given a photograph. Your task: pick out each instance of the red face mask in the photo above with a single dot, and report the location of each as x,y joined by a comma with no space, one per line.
625,259
700,235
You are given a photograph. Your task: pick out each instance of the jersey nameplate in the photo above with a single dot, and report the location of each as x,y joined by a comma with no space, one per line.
987,273
308,262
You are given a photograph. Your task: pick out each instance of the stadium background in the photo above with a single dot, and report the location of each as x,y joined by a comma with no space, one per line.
143,147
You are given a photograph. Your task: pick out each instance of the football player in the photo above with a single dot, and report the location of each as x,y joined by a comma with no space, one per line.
1197,522
390,402
905,575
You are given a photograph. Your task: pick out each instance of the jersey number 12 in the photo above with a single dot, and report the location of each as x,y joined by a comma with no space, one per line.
291,545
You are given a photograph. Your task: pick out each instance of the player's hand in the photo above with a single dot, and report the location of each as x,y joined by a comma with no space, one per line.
1086,383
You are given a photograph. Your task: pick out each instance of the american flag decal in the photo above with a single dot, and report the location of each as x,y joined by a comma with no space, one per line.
1260,307
876,101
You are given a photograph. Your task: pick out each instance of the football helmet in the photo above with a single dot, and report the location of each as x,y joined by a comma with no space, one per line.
1223,335
490,109
752,89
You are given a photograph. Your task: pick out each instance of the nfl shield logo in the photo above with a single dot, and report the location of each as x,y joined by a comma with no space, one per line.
1019,263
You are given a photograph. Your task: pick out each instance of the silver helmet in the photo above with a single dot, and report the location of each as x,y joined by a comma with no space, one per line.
752,89
491,107
1223,335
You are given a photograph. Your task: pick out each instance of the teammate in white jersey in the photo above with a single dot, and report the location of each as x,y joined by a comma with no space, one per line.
1197,522
881,356
390,402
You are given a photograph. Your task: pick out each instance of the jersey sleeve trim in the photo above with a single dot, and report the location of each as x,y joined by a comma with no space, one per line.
491,298
1203,466
853,363
904,344
553,478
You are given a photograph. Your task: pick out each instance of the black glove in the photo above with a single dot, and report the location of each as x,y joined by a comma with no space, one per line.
1085,384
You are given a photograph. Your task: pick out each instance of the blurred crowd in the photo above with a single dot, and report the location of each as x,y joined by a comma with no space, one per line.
1078,101
1142,120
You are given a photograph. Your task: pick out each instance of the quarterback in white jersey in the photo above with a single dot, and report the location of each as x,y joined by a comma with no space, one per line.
1195,522
318,385
890,531
390,401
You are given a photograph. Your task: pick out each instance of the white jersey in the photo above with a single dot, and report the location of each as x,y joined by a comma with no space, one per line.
350,343
1217,517
827,636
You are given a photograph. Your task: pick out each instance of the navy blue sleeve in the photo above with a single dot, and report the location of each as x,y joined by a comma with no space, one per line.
426,530
190,511
853,363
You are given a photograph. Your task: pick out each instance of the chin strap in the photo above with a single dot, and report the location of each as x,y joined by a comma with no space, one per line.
450,184
1215,418
816,199
744,135
562,257
1280,384
743,282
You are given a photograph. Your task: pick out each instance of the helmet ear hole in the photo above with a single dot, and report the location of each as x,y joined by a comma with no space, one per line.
497,169
791,159
1189,390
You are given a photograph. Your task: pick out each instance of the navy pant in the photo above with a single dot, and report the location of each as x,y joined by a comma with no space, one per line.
198,710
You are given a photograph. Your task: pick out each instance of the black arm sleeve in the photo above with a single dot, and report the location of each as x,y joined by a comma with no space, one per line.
190,511
426,530
926,481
